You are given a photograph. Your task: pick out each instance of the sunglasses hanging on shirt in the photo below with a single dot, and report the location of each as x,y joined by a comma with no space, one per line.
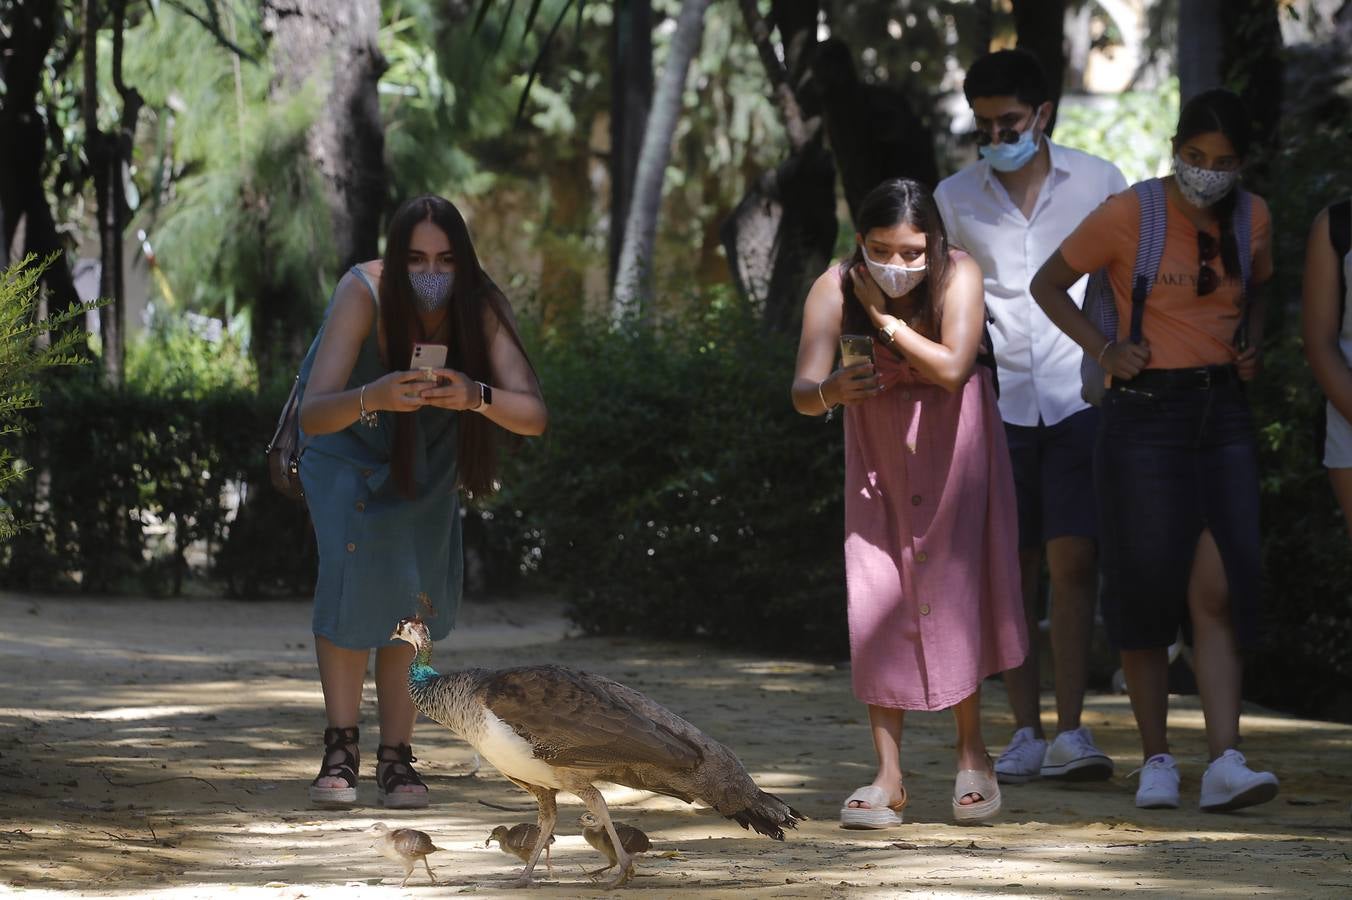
1208,248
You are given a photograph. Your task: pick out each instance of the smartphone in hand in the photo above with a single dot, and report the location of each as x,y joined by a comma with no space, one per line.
428,357
855,349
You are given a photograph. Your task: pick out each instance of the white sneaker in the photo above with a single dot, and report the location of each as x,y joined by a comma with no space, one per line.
1022,759
1228,783
1159,783
1073,757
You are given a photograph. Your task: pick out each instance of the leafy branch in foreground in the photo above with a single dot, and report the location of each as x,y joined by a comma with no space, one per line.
23,357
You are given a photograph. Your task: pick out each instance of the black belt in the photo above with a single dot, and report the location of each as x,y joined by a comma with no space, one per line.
1198,379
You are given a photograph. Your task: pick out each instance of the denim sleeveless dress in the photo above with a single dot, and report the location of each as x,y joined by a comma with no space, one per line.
381,555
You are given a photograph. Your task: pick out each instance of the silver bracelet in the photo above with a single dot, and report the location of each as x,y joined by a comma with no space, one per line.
1103,351
367,417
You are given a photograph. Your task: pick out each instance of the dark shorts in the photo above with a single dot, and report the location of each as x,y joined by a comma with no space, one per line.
1168,464
1054,478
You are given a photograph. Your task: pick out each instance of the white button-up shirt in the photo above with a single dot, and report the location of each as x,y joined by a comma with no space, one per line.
1039,366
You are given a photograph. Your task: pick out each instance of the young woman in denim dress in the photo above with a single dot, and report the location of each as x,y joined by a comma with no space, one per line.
386,454
1176,463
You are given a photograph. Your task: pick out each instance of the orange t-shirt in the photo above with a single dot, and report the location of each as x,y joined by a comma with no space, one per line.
1183,329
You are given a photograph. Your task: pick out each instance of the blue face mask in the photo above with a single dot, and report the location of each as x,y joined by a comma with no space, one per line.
431,289
1011,157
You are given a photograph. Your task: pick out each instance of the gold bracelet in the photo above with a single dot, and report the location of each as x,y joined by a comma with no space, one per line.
826,407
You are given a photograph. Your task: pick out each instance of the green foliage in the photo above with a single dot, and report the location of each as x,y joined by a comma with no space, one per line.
677,492
136,479
1306,560
188,355
1132,129
28,347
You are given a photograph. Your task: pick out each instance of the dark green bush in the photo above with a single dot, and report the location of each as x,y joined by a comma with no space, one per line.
115,460
677,492
1306,658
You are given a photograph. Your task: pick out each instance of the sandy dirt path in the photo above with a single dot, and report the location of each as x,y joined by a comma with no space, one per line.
162,749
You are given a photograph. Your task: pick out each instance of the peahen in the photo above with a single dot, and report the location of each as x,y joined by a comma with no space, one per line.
549,728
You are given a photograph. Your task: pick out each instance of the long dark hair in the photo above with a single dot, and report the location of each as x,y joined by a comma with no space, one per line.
474,304
894,202
1223,111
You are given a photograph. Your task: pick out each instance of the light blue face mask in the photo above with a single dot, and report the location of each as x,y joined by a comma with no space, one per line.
1011,157
431,289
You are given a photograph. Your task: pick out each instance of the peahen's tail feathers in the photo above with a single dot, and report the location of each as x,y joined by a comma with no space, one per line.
768,815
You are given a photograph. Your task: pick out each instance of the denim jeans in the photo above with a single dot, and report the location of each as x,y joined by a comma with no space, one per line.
1168,464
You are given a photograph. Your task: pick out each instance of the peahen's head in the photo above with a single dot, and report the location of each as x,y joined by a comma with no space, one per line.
412,629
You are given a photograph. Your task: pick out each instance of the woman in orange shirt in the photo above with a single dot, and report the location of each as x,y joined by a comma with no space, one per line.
1176,463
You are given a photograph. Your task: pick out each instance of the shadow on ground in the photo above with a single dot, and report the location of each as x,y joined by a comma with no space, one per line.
154,748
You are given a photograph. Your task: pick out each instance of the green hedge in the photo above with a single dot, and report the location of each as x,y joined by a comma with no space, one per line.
677,493
109,461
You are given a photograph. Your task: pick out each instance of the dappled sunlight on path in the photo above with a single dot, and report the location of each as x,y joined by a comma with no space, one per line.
157,749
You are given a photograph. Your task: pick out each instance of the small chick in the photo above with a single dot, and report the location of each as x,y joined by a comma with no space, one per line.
406,846
633,840
519,841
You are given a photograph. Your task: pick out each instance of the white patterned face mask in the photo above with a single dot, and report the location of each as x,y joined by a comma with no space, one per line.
895,281
1202,187
431,289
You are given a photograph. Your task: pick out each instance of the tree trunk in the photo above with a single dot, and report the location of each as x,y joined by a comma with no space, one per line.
1041,29
631,96
23,150
634,276
1200,46
328,46
874,132
782,232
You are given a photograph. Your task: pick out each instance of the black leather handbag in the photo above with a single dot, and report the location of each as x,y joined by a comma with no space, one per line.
284,449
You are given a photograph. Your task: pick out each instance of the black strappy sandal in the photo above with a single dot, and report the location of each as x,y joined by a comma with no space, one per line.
338,762
398,760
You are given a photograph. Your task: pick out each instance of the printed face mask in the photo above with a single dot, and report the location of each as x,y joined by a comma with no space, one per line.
1011,157
1202,187
895,281
432,289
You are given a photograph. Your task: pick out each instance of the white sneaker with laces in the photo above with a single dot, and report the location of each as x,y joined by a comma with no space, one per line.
1228,783
1159,783
1073,757
1022,760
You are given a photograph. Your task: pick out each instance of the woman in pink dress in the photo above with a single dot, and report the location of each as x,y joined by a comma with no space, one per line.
931,556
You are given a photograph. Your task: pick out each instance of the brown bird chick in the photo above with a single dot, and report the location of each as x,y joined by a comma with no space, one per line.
405,846
632,840
519,841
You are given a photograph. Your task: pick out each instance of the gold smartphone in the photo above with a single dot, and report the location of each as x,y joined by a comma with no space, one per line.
855,349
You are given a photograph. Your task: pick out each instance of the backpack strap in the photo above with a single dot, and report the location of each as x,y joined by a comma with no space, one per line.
1340,234
1149,248
1242,226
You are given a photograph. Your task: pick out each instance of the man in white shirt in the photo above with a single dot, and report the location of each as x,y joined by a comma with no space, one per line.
1011,210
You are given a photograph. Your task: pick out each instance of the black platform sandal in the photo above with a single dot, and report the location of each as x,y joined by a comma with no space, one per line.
339,762
398,770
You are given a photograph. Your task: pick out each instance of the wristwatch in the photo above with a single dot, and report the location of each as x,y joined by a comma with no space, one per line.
485,395
891,329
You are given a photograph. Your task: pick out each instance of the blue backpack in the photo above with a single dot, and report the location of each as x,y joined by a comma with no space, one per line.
1098,295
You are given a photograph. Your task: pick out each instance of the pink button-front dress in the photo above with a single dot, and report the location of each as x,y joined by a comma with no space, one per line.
931,541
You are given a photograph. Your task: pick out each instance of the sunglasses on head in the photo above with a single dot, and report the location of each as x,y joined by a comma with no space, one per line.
1208,248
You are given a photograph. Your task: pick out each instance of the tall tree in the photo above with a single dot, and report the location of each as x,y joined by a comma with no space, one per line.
327,48
1200,46
1041,29
109,155
783,230
26,42
631,96
633,286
